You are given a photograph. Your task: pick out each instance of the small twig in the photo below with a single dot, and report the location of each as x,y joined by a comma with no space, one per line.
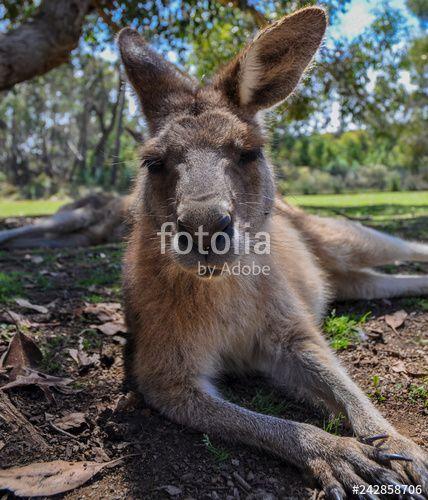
64,432
242,481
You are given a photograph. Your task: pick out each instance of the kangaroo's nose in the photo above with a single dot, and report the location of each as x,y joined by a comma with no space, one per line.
205,228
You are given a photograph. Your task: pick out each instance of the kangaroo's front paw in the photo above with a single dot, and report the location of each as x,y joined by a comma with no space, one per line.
346,467
403,456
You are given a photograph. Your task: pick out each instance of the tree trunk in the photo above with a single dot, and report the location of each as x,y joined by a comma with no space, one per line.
117,142
98,161
43,42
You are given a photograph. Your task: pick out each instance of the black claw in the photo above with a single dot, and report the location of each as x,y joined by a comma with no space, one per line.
372,439
336,494
394,456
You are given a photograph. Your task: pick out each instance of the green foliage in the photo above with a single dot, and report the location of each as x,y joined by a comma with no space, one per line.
353,160
220,454
90,339
417,303
95,298
101,277
11,285
334,425
343,330
419,393
376,392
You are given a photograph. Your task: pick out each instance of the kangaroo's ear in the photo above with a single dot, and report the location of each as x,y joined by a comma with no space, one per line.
162,88
270,67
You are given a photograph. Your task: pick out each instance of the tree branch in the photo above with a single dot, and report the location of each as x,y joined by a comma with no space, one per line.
42,43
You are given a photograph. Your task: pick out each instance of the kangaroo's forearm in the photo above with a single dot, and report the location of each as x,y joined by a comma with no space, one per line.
321,375
292,441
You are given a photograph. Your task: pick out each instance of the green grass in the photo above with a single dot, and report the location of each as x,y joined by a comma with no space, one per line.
29,208
419,393
334,424
14,208
10,286
101,277
95,298
377,392
220,454
343,330
416,302
265,402
405,198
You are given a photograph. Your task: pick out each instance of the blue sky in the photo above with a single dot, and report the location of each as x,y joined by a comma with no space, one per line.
359,15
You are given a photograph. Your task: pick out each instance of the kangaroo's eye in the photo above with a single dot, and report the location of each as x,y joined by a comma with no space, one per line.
250,155
153,164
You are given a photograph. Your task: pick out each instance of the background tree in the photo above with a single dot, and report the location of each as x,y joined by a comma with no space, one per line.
69,128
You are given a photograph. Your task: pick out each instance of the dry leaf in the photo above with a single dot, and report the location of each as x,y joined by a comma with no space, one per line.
50,478
119,340
71,421
82,359
28,376
104,311
21,353
396,320
28,305
399,367
111,328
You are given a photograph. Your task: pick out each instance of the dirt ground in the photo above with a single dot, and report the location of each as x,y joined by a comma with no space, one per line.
167,460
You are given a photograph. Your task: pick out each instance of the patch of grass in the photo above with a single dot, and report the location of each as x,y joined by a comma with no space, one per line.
419,393
220,454
343,330
404,198
29,208
334,424
11,285
50,363
95,298
91,339
265,402
101,277
376,392
44,282
416,302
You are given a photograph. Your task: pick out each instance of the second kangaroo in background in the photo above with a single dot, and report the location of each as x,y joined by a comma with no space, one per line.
190,321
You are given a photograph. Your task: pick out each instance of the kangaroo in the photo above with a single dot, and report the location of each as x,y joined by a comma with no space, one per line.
205,199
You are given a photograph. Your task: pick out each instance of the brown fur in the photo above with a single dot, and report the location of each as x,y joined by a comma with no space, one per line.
204,160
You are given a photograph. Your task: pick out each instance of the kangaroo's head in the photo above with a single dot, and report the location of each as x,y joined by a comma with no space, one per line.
203,169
